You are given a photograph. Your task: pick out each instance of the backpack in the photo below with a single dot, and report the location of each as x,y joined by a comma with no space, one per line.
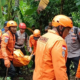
76,32
16,35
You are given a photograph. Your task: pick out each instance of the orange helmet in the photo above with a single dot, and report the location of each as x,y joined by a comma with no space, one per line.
36,33
62,20
11,23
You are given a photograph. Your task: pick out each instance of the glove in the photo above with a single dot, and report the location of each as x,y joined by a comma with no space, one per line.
7,63
30,49
32,55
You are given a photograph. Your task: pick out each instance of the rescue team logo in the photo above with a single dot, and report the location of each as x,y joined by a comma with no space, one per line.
73,35
6,39
63,47
63,52
43,39
79,33
72,30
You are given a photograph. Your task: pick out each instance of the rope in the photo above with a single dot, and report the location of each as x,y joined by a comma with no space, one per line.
6,73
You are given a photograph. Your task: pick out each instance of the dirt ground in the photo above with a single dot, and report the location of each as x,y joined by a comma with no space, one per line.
29,77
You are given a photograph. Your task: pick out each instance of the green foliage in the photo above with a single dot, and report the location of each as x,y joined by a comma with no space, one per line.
72,69
1,16
76,18
3,2
78,4
76,14
69,7
27,13
30,11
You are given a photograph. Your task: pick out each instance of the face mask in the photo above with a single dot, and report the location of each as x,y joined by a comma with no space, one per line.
36,38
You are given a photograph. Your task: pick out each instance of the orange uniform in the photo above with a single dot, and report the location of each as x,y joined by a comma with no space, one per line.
50,59
0,37
0,33
78,71
32,43
7,45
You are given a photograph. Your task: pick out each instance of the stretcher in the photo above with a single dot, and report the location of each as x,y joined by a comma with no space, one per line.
19,59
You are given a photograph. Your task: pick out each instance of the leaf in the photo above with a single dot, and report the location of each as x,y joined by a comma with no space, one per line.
30,11
3,2
78,3
1,17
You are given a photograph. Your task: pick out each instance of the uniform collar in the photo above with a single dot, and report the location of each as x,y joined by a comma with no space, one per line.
10,33
21,33
72,30
52,31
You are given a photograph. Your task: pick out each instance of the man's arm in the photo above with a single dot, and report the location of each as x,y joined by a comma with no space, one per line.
4,42
30,44
59,57
27,42
78,34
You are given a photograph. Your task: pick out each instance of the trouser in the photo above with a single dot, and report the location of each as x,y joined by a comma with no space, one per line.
17,69
11,70
33,58
75,60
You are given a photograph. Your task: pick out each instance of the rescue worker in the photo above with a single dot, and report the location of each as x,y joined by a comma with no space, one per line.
73,44
5,26
51,51
22,38
0,32
7,47
78,72
33,27
48,27
33,43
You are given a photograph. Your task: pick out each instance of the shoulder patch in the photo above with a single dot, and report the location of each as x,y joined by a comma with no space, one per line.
79,33
63,50
71,30
43,39
63,53
63,47
6,39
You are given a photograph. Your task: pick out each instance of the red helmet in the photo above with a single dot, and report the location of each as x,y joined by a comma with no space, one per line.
22,25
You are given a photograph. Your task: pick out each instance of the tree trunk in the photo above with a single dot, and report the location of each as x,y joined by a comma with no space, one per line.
62,3
17,3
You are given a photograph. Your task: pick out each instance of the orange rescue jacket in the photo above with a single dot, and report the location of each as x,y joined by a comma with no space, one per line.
78,71
50,57
7,45
32,43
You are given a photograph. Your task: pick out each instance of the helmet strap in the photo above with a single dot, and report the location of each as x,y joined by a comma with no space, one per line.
60,31
10,30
